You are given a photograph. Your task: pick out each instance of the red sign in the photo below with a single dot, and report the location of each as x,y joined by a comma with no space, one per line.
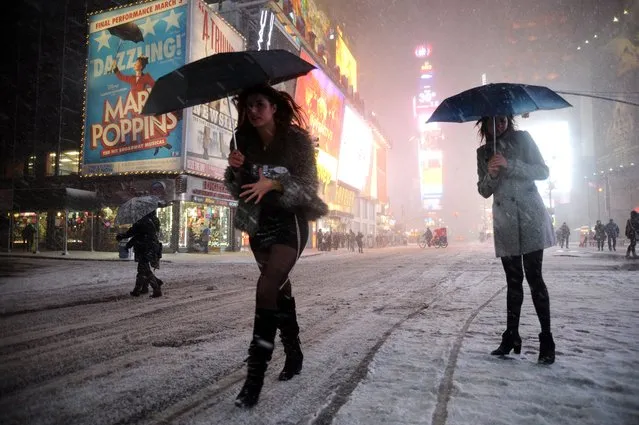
324,105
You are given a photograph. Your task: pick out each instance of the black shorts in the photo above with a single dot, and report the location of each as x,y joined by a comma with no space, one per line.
281,228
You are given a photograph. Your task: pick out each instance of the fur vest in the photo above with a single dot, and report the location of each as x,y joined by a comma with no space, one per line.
290,159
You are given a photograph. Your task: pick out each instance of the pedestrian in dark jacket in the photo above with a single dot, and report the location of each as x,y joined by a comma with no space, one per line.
28,233
521,224
600,235
274,175
565,235
360,242
632,233
612,231
148,250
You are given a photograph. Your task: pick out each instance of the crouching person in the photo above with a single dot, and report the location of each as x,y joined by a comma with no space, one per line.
147,249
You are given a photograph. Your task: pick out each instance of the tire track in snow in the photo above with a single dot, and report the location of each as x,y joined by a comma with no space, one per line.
223,388
343,392
446,385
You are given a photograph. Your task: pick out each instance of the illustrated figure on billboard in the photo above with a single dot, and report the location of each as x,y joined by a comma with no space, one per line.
140,81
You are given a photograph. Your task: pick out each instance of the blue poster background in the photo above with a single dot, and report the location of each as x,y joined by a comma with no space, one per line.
120,74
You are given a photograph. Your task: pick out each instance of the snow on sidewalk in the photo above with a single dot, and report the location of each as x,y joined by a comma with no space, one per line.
436,369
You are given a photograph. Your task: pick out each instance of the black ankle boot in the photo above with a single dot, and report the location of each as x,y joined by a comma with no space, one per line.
137,290
289,334
260,352
546,348
510,340
155,285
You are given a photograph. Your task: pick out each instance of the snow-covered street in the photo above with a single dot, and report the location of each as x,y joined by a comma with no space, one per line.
394,336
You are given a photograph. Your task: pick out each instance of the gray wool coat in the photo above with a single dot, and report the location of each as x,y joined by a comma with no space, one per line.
521,223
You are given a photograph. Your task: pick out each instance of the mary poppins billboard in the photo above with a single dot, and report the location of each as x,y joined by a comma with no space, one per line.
129,48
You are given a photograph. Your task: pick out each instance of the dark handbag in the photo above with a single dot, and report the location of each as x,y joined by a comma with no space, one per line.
247,216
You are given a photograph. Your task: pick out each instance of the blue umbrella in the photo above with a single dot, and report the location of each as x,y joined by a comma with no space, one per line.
500,99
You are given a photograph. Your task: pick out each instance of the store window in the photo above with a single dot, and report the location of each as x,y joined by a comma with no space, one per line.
165,215
196,217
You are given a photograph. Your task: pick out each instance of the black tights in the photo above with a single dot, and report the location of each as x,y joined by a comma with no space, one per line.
275,263
532,263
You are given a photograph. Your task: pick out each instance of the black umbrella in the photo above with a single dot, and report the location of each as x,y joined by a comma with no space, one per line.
127,32
224,74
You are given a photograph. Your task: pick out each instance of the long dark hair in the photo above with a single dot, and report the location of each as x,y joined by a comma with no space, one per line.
484,131
288,112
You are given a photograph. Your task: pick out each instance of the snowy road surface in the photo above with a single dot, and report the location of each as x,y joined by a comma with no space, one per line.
394,336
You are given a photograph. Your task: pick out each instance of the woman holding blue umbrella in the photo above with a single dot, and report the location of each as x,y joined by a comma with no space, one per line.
507,167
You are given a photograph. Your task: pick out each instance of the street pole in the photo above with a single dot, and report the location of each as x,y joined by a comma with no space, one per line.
66,232
92,216
598,203
588,200
37,234
10,241
607,196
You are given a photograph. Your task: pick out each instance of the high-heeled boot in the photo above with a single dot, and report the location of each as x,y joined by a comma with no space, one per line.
289,334
260,353
546,348
510,340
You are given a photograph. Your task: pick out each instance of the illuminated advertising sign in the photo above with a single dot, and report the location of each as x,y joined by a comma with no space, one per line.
324,105
355,151
308,18
326,169
431,174
426,67
426,101
272,35
209,126
553,140
128,49
346,62
370,188
382,183
422,51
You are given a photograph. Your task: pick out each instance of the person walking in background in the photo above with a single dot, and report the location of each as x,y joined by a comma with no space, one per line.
522,227
148,250
565,234
351,240
632,233
206,237
360,242
612,231
27,236
600,235
274,175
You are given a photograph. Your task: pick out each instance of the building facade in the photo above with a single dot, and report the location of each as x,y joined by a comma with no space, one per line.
113,152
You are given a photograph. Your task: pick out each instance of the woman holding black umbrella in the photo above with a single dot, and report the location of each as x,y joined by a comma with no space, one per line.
272,172
522,225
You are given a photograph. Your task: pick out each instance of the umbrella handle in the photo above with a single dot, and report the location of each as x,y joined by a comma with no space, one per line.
494,136
228,104
115,61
